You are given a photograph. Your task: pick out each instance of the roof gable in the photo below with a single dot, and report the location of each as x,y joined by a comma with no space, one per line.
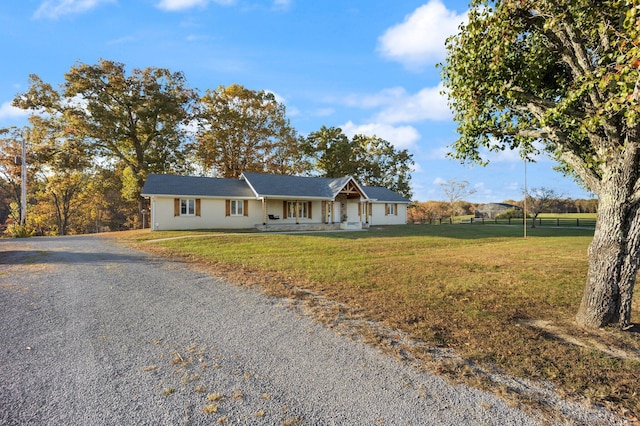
172,185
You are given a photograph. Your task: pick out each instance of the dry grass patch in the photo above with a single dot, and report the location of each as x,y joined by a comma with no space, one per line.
479,291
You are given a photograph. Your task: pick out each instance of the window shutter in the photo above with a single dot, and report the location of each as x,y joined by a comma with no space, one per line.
246,207
310,204
396,210
176,207
197,206
386,209
284,209
227,208
359,209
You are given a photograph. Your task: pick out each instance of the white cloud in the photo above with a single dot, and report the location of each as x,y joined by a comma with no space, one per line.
427,104
420,39
56,8
439,181
8,111
173,5
398,106
401,137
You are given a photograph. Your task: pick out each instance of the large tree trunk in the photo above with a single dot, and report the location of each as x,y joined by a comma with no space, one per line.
613,262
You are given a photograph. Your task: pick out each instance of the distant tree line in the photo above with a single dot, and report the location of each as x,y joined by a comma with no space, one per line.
92,142
428,211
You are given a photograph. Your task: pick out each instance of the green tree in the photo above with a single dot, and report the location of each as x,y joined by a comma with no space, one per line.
331,152
371,160
138,119
380,164
242,130
565,73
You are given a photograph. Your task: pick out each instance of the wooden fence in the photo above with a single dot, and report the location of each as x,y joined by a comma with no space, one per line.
543,221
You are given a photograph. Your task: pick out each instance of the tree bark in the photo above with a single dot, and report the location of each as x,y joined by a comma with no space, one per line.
613,257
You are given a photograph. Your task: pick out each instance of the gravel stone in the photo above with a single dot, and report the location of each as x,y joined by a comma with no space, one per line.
94,333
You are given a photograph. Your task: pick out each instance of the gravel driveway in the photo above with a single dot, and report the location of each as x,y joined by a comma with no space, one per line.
93,333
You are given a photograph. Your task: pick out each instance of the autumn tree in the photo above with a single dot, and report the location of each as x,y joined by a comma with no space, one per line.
540,200
564,73
62,160
455,192
369,159
139,119
243,130
10,170
426,211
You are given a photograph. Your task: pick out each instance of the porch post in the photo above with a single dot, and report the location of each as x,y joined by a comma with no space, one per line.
297,212
264,211
333,212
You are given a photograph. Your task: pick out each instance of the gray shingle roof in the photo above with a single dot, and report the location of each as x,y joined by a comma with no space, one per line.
380,193
173,185
280,186
274,186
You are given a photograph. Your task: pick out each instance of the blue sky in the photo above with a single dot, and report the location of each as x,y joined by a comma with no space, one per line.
367,66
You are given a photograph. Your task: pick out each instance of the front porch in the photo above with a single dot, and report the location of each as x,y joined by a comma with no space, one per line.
282,227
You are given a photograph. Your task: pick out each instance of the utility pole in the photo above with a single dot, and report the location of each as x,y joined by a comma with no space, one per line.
23,195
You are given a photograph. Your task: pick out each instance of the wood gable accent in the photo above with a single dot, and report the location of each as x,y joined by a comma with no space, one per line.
351,190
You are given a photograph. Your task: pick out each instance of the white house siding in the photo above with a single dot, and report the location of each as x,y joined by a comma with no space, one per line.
212,215
379,216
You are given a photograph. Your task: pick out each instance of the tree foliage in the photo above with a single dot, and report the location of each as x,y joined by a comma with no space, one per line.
242,130
93,140
371,160
564,73
138,119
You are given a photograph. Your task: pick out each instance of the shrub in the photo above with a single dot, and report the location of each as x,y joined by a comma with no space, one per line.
510,214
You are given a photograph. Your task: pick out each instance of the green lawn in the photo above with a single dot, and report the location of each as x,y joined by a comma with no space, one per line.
474,289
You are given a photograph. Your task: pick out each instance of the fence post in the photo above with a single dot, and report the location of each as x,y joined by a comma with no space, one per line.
577,221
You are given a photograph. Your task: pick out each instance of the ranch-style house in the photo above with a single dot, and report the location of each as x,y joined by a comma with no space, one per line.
269,202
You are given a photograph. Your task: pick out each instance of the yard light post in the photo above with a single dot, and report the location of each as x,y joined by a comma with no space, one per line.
524,210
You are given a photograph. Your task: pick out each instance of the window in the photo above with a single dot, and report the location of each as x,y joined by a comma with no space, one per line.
187,207
304,209
237,208
391,209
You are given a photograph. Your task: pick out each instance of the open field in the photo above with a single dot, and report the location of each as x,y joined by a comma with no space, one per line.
488,294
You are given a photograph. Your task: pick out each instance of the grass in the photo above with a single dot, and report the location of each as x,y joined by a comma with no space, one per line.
476,290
